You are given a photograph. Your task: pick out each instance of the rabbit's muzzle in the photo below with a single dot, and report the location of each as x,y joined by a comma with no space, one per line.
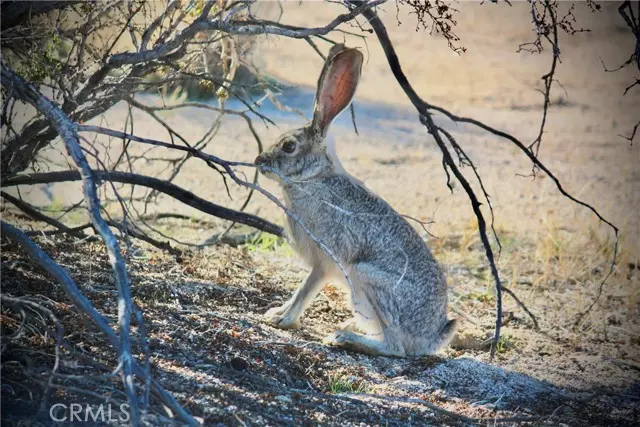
264,162
261,161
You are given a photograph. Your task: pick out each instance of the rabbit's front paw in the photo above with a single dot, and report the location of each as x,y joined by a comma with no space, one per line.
361,343
281,318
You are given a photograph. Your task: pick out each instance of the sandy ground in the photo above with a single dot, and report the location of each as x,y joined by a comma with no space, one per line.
490,82
555,252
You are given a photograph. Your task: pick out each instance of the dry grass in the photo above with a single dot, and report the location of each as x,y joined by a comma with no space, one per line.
212,351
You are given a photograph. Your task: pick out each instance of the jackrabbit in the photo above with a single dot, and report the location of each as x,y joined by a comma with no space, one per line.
396,289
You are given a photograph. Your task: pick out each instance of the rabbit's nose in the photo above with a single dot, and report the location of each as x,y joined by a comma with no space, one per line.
260,160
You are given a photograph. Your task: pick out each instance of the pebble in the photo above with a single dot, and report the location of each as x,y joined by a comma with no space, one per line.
284,399
239,364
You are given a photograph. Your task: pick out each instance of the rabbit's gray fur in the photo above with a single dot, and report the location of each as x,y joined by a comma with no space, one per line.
397,290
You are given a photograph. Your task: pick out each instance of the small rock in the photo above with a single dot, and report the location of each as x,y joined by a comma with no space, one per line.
239,364
469,339
284,399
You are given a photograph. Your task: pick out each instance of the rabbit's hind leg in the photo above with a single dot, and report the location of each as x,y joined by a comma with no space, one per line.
380,345
364,332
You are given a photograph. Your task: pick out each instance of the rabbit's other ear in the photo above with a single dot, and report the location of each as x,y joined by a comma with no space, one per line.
336,86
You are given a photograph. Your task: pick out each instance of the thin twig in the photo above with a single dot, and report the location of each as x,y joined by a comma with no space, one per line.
524,307
425,118
38,216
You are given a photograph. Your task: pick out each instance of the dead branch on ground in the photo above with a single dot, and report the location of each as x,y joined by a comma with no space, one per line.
66,130
84,305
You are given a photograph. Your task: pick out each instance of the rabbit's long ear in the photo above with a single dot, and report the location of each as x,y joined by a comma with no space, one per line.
336,86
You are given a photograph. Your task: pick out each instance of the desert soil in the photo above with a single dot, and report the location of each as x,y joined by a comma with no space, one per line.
208,344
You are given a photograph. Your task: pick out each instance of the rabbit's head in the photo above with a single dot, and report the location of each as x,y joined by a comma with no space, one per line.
305,153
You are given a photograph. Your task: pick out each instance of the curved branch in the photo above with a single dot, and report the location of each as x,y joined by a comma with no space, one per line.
125,228
548,78
424,107
167,188
427,120
462,155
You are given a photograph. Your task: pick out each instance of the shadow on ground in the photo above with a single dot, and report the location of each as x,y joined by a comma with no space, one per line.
209,348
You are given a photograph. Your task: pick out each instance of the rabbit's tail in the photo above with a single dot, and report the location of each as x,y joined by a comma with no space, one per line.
447,331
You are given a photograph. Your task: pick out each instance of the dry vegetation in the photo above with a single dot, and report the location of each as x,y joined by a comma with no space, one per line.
210,348
208,345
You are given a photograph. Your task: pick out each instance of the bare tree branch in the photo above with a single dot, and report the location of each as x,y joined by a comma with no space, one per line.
632,136
125,228
633,22
169,189
548,77
244,27
66,129
427,120
465,160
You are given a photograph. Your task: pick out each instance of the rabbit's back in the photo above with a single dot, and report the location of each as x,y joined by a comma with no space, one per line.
354,223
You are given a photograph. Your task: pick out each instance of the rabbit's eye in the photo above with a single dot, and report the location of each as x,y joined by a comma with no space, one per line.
289,147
